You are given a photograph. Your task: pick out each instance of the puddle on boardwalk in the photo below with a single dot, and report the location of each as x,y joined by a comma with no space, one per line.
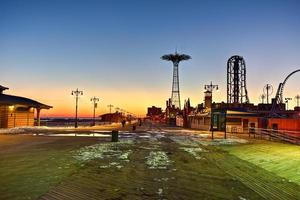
88,134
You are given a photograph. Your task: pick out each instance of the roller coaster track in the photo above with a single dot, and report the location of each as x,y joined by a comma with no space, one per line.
279,96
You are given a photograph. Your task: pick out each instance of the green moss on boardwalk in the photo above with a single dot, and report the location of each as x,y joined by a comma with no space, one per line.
281,159
29,168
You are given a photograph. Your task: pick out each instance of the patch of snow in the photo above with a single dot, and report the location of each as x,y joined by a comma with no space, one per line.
161,179
125,156
201,135
194,151
105,150
23,129
184,141
113,163
229,141
160,191
144,136
157,160
119,166
159,136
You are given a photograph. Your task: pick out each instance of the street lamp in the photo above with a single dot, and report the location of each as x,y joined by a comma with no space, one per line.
94,100
297,97
268,90
76,93
211,87
110,107
262,97
287,102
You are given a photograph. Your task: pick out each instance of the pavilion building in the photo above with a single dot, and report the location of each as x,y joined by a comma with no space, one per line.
16,111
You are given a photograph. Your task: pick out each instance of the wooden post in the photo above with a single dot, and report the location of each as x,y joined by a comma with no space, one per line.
211,129
38,118
225,122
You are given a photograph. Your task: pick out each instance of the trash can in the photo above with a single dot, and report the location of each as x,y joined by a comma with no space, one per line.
114,136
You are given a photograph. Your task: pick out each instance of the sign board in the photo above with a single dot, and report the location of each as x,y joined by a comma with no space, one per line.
218,120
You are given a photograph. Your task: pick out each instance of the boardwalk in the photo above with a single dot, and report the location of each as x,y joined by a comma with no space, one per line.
208,174
154,163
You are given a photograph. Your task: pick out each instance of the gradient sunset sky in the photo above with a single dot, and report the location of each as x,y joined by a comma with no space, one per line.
111,49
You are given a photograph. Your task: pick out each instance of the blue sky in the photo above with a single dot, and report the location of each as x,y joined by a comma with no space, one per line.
112,48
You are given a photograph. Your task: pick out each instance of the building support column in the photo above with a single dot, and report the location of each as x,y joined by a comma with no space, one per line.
38,118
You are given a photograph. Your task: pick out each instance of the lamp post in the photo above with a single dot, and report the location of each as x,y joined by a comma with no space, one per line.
110,107
297,97
262,97
211,87
287,102
94,100
268,90
76,93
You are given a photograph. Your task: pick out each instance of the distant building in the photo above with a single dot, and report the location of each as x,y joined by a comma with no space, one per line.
171,113
154,111
155,114
208,99
112,117
18,111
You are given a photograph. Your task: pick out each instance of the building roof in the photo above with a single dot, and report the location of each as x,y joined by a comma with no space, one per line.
2,88
240,113
16,100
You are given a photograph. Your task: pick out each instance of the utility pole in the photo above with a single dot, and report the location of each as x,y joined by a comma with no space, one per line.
76,93
297,97
94,100
110,107
287,102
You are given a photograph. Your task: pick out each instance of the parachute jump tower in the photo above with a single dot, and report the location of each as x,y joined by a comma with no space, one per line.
176,59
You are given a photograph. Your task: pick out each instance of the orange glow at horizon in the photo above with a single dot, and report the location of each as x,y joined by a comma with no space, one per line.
134,100
64,103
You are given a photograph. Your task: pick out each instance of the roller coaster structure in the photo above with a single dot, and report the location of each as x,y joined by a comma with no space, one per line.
279,95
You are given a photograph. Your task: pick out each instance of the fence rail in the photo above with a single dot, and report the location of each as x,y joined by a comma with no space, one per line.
272,134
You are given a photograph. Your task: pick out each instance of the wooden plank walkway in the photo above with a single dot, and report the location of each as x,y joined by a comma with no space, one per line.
217,176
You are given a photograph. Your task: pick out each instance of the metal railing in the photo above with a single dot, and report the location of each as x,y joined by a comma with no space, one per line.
273,134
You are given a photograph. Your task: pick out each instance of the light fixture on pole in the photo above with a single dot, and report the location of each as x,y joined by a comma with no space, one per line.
287,102
268,90
94,100
262,98
76,93
297,98
110,107
211,87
